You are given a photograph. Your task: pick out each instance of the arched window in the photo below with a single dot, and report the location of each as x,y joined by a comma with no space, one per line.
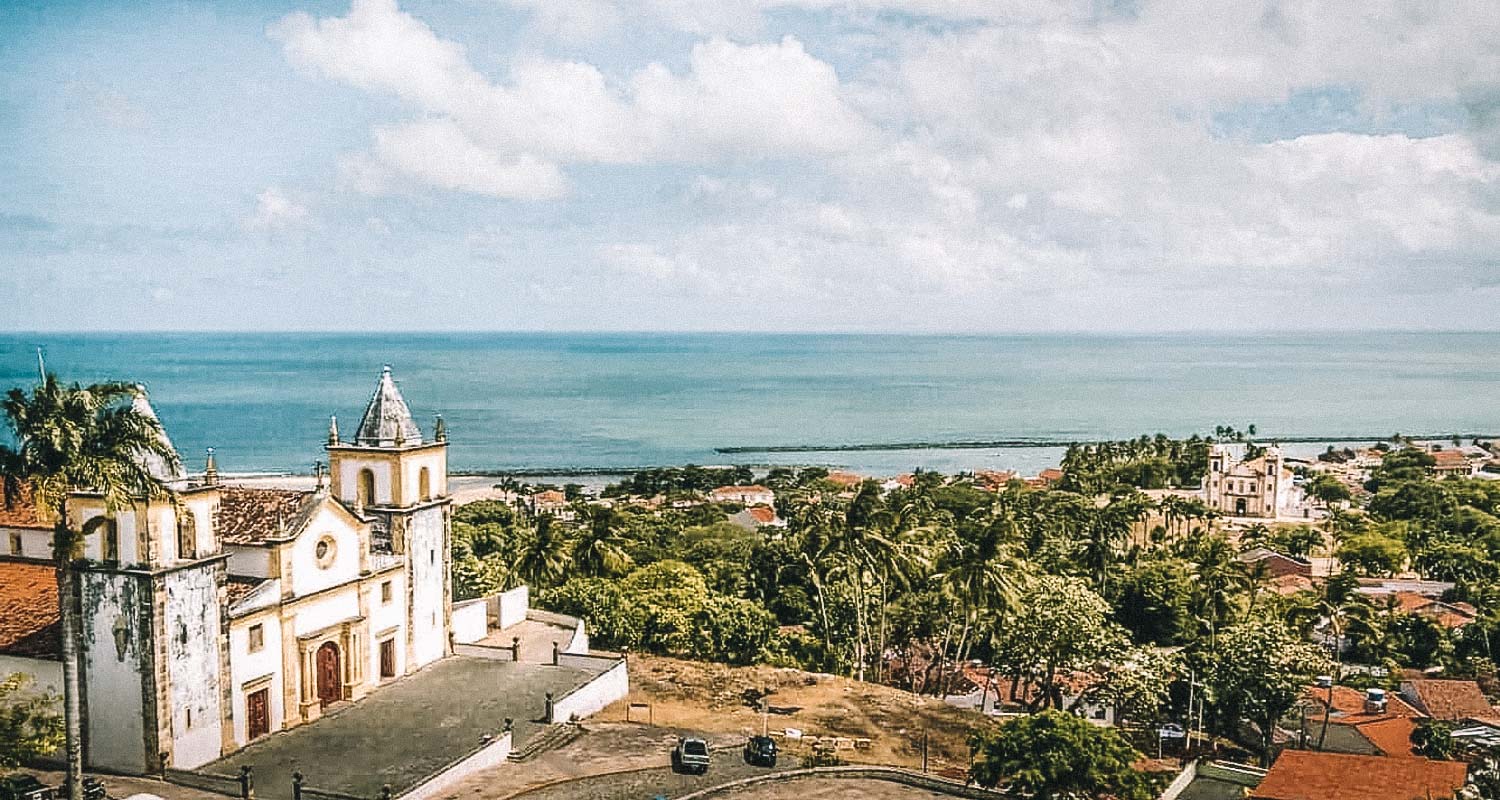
187,535
424,484
109,537
366,491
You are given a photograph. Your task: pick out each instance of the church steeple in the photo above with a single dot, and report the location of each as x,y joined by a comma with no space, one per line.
387,421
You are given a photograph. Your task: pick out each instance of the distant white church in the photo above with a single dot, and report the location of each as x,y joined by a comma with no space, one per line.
1250,487
225,614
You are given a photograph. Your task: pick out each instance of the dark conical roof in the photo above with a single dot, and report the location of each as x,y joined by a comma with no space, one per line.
387,421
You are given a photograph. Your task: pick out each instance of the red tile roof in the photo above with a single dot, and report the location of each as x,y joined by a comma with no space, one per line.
1308,775
252,516
765,515
1390,734
29,624
1449,458
1448,700
842,478
1050,474
21,513
237,586
1350,701
753,488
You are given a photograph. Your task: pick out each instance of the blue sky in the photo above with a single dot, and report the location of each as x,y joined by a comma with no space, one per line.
891,165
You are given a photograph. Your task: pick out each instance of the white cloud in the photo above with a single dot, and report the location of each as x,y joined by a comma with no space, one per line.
275,211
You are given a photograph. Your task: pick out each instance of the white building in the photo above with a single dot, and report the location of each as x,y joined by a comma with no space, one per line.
1254,487
224,614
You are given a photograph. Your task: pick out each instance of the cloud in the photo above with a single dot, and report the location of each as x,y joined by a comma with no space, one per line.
275,211
512,138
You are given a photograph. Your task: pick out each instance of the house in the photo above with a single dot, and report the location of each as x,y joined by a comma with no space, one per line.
994,480
1450,616
1309,775
1260,487
753,495
1447,700
1378,587
1349,702
1274,564
757,517
903,481
220,614
1210,780
1452,463
843,479
1369,722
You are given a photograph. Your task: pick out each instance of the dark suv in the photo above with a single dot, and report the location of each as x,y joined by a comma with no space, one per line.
760,751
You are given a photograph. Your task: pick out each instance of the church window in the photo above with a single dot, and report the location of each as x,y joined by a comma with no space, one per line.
424,484
324,551
15,544
187,536
109,537
257,638
385,592
366,487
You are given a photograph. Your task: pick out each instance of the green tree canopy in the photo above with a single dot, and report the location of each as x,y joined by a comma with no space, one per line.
1057,755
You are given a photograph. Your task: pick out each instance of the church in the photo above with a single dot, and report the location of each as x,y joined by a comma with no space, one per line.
224,614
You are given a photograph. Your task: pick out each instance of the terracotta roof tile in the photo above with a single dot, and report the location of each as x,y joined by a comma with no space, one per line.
29,624
1308,775
21,514
1449,700
1350,701
1390,734
240,585
253,516
765,515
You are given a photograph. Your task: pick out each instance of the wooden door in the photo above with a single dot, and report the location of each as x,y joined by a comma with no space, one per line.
258,712
388,658
330,683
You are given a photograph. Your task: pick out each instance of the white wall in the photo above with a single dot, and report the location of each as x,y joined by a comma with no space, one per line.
470,621
34,543
307,576
46,675
192,629
249,560
492,755
386,619
349,467
513,606
315,615
245,667
113,668
427,551
587,700
436,462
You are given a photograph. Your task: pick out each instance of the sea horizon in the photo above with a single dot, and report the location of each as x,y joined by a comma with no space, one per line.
519,402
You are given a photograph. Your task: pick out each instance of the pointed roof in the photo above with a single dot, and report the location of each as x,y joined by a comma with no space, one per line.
155,464
387,421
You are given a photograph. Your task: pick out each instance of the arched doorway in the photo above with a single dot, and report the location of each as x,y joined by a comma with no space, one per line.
330,679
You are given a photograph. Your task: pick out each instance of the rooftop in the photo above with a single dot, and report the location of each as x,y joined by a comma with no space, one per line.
1448,700
1349,701
387,421
1308,775
21,513
255,516
29,625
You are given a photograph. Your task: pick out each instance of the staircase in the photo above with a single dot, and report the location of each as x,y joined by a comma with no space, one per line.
550,738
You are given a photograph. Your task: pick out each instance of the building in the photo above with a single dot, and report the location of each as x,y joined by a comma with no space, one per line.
1452,464
1254,487
757,517
1309,775
753,495
221,614
1448,700
1274,564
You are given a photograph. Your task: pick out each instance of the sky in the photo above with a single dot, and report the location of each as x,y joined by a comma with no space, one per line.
779,165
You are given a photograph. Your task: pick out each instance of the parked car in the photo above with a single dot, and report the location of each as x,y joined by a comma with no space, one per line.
690,755
760,751
24,787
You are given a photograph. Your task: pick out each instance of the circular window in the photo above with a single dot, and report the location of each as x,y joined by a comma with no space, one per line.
324,551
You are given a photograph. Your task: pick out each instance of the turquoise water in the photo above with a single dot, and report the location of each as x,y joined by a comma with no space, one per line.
559,401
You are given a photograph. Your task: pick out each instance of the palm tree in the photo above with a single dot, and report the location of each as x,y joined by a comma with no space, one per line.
69,437
1341,613
599,551
543,554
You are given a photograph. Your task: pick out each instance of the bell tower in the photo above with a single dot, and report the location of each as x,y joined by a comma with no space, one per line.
392,477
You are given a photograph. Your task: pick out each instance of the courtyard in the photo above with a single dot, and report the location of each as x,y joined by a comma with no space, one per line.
407,732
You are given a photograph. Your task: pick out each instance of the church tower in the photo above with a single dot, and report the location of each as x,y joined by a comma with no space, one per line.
398,481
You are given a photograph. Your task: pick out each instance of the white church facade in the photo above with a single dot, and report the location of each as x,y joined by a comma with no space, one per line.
224,614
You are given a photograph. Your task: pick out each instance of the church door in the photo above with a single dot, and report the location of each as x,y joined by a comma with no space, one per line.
258,713
330,684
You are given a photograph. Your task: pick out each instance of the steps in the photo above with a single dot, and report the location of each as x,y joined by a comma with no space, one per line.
551,738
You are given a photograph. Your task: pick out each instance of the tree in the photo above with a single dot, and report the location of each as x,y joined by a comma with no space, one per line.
542,555
1372,554
1257,674
1059,626
1057,755
69,437
29,724
1433,738
1137,684
599,550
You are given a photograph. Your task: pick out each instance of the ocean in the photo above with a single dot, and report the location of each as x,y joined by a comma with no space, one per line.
558,402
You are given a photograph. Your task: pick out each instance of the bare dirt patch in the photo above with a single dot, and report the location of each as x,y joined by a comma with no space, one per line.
713,697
